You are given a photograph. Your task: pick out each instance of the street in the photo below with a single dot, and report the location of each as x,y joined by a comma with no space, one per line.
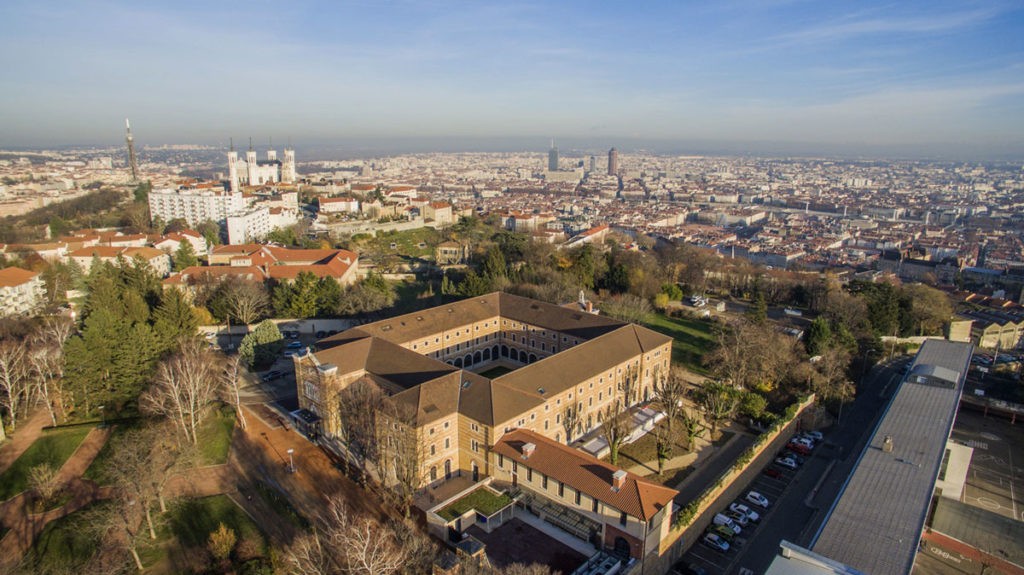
801,498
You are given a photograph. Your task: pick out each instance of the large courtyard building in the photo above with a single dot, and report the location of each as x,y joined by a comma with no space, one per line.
471,371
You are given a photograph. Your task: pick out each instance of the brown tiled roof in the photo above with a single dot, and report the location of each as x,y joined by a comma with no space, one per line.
218,272
585,473
10,277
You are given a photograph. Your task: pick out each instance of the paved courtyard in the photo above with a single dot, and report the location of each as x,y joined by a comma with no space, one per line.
516,542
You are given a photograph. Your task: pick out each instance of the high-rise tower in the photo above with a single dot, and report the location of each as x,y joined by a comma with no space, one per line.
131,150
613,162
250,164
288,167
553,157
233,167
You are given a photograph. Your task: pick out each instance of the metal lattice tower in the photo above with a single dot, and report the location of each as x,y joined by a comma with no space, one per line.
131,150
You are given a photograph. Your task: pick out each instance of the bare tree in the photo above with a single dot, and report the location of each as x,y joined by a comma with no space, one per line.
47,366
44,480
184,387
400,451
571,418
117,525
14,381
246,300
230,384
615,426
664,438
343,543
719,402
691,421
669,390
629,385
356,408
133,470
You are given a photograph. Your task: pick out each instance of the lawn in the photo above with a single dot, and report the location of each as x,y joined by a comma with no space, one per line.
214,435
483,500
53,447
280,505
496,371
67,543
407,243
692,339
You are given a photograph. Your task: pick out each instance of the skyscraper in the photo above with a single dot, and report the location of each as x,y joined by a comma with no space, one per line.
593,164
553,158
613,162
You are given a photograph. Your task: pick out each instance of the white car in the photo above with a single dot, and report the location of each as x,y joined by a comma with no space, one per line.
785,462
717,542
806,442
815,435
743,509
757,499
723,519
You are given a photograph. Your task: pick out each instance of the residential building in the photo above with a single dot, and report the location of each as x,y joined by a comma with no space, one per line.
451,253
195,204
248,226
256,261
159,260
21,291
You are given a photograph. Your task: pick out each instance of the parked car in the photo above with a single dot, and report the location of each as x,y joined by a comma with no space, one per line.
288,353
722,531
757,499
693,569
716,542
796,457
321,334
772,472
815,435
803,441
741,508
785,462
294,345
272,375
722,519
740,518
798,448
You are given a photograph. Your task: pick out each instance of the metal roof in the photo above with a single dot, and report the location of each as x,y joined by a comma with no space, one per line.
875,524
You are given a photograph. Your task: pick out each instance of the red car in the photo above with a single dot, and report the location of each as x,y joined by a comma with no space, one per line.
772,473
801,449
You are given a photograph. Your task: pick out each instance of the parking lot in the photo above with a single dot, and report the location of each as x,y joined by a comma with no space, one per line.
717,562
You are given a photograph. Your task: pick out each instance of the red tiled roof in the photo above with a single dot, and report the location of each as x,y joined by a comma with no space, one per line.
637,497
10,277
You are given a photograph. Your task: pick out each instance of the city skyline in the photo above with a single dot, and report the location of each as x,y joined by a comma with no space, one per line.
749,74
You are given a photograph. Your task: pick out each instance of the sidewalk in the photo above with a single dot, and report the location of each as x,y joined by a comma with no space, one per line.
24,436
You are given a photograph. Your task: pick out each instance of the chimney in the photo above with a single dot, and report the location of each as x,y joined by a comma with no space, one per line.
590,306
618,479
528,449
887,444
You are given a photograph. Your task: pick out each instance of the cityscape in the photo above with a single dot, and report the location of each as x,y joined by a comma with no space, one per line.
488,289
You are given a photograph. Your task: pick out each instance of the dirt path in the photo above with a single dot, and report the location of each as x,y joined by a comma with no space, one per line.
25,435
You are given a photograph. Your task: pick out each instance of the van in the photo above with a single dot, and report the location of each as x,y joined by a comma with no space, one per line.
721,519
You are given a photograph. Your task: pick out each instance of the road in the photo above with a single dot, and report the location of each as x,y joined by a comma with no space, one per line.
801,499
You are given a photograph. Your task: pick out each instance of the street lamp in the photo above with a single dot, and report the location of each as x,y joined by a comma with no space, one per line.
291,462
103,418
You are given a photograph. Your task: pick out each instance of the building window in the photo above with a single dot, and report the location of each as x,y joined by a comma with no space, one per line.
529,474
501,460
433,449
447,443
474,445
578,497
594,506
561,489
433,473
544,481
622,519
515,466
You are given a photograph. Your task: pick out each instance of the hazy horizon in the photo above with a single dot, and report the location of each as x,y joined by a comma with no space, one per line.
910,79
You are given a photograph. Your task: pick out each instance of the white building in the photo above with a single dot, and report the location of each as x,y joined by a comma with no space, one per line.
195,204
339,206
21,291
249,226
255,172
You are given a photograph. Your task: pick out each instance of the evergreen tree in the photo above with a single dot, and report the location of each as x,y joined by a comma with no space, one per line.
494,264
185,256
818,336
262,345
328,296
757,313
174,319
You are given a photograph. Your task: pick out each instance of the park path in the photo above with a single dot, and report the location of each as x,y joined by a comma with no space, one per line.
17,513
25,435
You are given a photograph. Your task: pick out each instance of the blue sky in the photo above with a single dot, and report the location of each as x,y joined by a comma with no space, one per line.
899,73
